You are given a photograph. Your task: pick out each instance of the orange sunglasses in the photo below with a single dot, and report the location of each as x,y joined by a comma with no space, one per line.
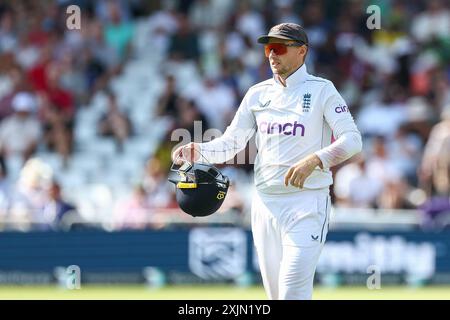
279,48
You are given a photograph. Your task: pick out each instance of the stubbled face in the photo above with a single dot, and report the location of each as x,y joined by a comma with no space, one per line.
286,63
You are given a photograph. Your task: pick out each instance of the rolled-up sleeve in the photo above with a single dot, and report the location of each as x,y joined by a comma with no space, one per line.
348,141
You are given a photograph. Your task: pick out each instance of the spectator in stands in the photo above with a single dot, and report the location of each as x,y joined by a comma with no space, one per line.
434,23
56,213
5,192
8,36
101,60
284,12
383,168
249,21
383,118
14,82
315,23
39,199
118,32
20,132
393,195
184,44
133,212
167,103
405,151
57,111
434,171
72,77
190,117
158,189
217,102
355,187
380,165
30,195
114,123
162,25
208,14
435,212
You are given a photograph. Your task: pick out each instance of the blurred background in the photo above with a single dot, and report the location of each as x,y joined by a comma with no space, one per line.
86,123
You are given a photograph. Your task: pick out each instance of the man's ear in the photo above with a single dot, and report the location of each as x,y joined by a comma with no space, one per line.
303,50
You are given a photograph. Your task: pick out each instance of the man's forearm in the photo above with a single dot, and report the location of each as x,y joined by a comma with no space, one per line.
347,145
221,149
225,147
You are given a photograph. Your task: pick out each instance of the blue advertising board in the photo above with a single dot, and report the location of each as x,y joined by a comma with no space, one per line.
211,254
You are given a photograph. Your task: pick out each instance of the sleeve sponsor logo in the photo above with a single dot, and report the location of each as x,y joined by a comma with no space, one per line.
341,109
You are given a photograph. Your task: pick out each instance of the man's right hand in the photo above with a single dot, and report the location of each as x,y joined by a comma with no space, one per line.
189,152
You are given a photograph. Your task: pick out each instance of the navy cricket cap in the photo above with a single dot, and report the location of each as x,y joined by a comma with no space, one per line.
287,31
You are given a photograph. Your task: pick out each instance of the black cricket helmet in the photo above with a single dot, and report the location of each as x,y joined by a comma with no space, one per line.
200,188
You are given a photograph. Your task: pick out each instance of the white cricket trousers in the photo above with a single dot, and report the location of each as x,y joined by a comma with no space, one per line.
289,232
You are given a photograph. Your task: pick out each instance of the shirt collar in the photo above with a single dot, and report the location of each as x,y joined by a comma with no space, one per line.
294,79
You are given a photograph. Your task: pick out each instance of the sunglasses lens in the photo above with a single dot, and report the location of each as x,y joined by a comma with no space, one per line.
278,49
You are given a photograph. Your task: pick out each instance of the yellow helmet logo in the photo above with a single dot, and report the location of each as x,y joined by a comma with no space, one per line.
221,195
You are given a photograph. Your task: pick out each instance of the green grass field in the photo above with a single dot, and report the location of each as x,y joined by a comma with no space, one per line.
214,293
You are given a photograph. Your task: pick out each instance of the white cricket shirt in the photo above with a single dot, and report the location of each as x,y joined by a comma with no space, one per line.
290,123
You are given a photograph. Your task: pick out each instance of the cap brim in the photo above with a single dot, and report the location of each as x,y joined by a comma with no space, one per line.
265,39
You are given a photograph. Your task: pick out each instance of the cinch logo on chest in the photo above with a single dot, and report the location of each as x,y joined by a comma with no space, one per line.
282,128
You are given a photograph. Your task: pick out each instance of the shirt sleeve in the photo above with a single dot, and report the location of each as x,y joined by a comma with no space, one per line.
348,140
235,138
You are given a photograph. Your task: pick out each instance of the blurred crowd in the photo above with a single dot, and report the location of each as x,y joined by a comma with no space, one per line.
191,63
